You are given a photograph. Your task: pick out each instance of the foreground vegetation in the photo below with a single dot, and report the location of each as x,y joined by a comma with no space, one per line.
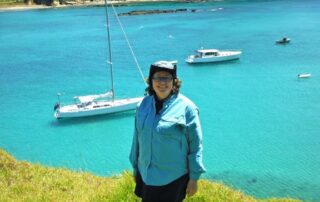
22,181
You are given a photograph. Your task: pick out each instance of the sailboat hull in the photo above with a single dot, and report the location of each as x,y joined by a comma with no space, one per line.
97,108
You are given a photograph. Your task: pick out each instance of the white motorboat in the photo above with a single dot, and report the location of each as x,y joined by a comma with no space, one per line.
213,55
105,103
305,75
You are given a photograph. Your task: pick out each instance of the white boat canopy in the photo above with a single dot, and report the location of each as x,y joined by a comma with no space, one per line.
207,50
90,98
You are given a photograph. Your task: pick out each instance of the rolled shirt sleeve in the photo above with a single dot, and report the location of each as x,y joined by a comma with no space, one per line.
194,138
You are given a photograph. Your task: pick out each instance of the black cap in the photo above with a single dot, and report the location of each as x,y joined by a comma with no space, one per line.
167,66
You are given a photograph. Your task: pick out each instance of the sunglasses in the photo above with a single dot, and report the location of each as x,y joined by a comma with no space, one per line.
162,79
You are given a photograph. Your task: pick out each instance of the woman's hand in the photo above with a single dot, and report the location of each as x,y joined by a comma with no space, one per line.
192,187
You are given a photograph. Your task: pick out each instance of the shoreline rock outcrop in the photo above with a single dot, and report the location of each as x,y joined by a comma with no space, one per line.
156,11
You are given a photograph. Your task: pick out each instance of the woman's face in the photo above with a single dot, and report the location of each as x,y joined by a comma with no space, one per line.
162,83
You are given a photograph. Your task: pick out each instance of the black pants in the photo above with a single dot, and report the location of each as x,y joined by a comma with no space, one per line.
172,192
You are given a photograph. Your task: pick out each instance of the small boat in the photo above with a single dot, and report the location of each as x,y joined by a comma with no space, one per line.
213,55
284,40
305,75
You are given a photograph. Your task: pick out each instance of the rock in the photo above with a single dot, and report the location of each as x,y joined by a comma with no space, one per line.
146,12
55,3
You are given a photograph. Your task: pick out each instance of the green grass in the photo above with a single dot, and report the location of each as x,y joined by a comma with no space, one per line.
23,181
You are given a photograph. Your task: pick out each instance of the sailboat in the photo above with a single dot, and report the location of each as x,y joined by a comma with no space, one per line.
105,103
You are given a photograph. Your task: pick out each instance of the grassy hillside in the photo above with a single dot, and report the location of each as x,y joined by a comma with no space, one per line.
22,181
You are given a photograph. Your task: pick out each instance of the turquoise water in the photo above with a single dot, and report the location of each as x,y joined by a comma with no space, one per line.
260,123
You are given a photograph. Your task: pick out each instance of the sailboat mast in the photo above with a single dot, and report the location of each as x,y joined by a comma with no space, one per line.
109,46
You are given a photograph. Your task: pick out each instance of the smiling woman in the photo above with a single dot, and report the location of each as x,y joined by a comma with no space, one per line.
166,152
258,119
162,84
163,79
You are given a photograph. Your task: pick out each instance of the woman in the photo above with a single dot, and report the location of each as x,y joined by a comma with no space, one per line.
166,152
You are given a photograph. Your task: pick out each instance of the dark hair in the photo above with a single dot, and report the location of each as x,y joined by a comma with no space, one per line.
176,86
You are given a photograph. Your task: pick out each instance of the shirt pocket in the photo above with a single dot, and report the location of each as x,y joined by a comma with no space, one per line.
172,134
172,126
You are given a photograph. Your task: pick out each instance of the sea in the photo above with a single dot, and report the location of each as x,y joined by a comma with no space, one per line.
260,122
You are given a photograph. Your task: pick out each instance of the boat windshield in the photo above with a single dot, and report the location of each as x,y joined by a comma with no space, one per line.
211,54
207,52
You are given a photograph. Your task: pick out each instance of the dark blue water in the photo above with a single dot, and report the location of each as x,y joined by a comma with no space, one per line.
260,123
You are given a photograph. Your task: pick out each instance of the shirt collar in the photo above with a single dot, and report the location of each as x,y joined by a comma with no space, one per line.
168,100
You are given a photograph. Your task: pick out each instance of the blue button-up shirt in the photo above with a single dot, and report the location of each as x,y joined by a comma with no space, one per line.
167,145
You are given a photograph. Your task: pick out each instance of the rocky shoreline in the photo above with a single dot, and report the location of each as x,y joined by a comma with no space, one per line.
157,11
92,3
